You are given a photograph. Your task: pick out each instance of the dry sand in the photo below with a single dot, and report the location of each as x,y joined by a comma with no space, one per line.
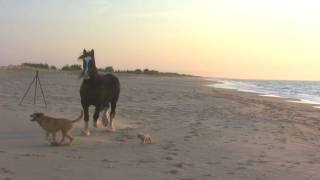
199,133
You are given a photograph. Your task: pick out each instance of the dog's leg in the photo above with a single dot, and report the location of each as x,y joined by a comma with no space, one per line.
86,131
54,142
62,139
47,136
70,138
54,137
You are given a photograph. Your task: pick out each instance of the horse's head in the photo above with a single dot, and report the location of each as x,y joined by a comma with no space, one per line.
89,65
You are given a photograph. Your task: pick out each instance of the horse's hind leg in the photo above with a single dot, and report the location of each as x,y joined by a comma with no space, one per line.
95,117
104,116
86,130
112,113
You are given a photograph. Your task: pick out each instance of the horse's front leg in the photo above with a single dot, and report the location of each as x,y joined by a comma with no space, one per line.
86,130
96,123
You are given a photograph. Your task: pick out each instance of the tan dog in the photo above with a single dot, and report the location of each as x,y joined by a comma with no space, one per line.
145,138
53,125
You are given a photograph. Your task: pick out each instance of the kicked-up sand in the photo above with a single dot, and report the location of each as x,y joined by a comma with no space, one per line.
198,132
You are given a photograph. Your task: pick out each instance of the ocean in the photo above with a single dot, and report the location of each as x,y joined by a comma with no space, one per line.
301,91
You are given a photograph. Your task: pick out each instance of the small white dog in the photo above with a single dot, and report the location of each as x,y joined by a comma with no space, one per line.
145,138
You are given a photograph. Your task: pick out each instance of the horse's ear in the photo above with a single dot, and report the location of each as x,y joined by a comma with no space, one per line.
84,52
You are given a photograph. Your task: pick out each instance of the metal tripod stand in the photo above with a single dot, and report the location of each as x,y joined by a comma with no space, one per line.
36,79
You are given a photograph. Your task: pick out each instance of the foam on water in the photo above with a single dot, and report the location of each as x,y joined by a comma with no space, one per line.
307,92
269,95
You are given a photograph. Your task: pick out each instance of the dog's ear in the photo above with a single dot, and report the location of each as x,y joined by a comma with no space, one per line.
92,52
84,51
40,114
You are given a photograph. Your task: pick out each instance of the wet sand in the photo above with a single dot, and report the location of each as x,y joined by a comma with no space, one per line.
199,132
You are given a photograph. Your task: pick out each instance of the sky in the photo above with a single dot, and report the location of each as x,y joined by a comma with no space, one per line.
250,39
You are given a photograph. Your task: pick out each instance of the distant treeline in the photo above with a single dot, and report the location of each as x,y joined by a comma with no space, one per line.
149,72
39,65
73,67
46,66
109,69
140,71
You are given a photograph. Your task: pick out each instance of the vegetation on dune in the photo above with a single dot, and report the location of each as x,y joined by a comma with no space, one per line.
73,67
53,67
36,65
108,69
149,72
39,66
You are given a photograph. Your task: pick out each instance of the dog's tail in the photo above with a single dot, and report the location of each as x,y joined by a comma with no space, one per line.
79,118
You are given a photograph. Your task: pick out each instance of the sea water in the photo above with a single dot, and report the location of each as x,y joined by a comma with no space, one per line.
301,91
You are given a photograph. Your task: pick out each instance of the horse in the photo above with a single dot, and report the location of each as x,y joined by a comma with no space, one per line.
98,90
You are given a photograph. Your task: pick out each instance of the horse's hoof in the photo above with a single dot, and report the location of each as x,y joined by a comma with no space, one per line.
85,133
111,129
105,124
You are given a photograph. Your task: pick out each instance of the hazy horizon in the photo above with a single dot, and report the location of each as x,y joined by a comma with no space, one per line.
251,39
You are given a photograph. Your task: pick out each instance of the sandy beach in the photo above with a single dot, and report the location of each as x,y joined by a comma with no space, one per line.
198,132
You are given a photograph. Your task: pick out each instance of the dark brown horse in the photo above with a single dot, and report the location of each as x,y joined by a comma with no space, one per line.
98,90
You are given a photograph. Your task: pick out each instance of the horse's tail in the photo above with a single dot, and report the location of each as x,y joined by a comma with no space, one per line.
116,87
79,118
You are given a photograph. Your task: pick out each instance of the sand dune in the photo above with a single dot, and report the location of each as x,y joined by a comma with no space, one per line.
199,133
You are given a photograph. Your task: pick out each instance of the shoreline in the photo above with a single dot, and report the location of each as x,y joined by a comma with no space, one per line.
214,84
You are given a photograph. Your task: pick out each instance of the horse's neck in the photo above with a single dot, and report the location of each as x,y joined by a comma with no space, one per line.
95,72
93,78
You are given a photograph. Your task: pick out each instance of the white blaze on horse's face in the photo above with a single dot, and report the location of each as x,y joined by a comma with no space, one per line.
87,59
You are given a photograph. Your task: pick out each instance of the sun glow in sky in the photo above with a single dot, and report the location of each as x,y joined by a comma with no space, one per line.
274,39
